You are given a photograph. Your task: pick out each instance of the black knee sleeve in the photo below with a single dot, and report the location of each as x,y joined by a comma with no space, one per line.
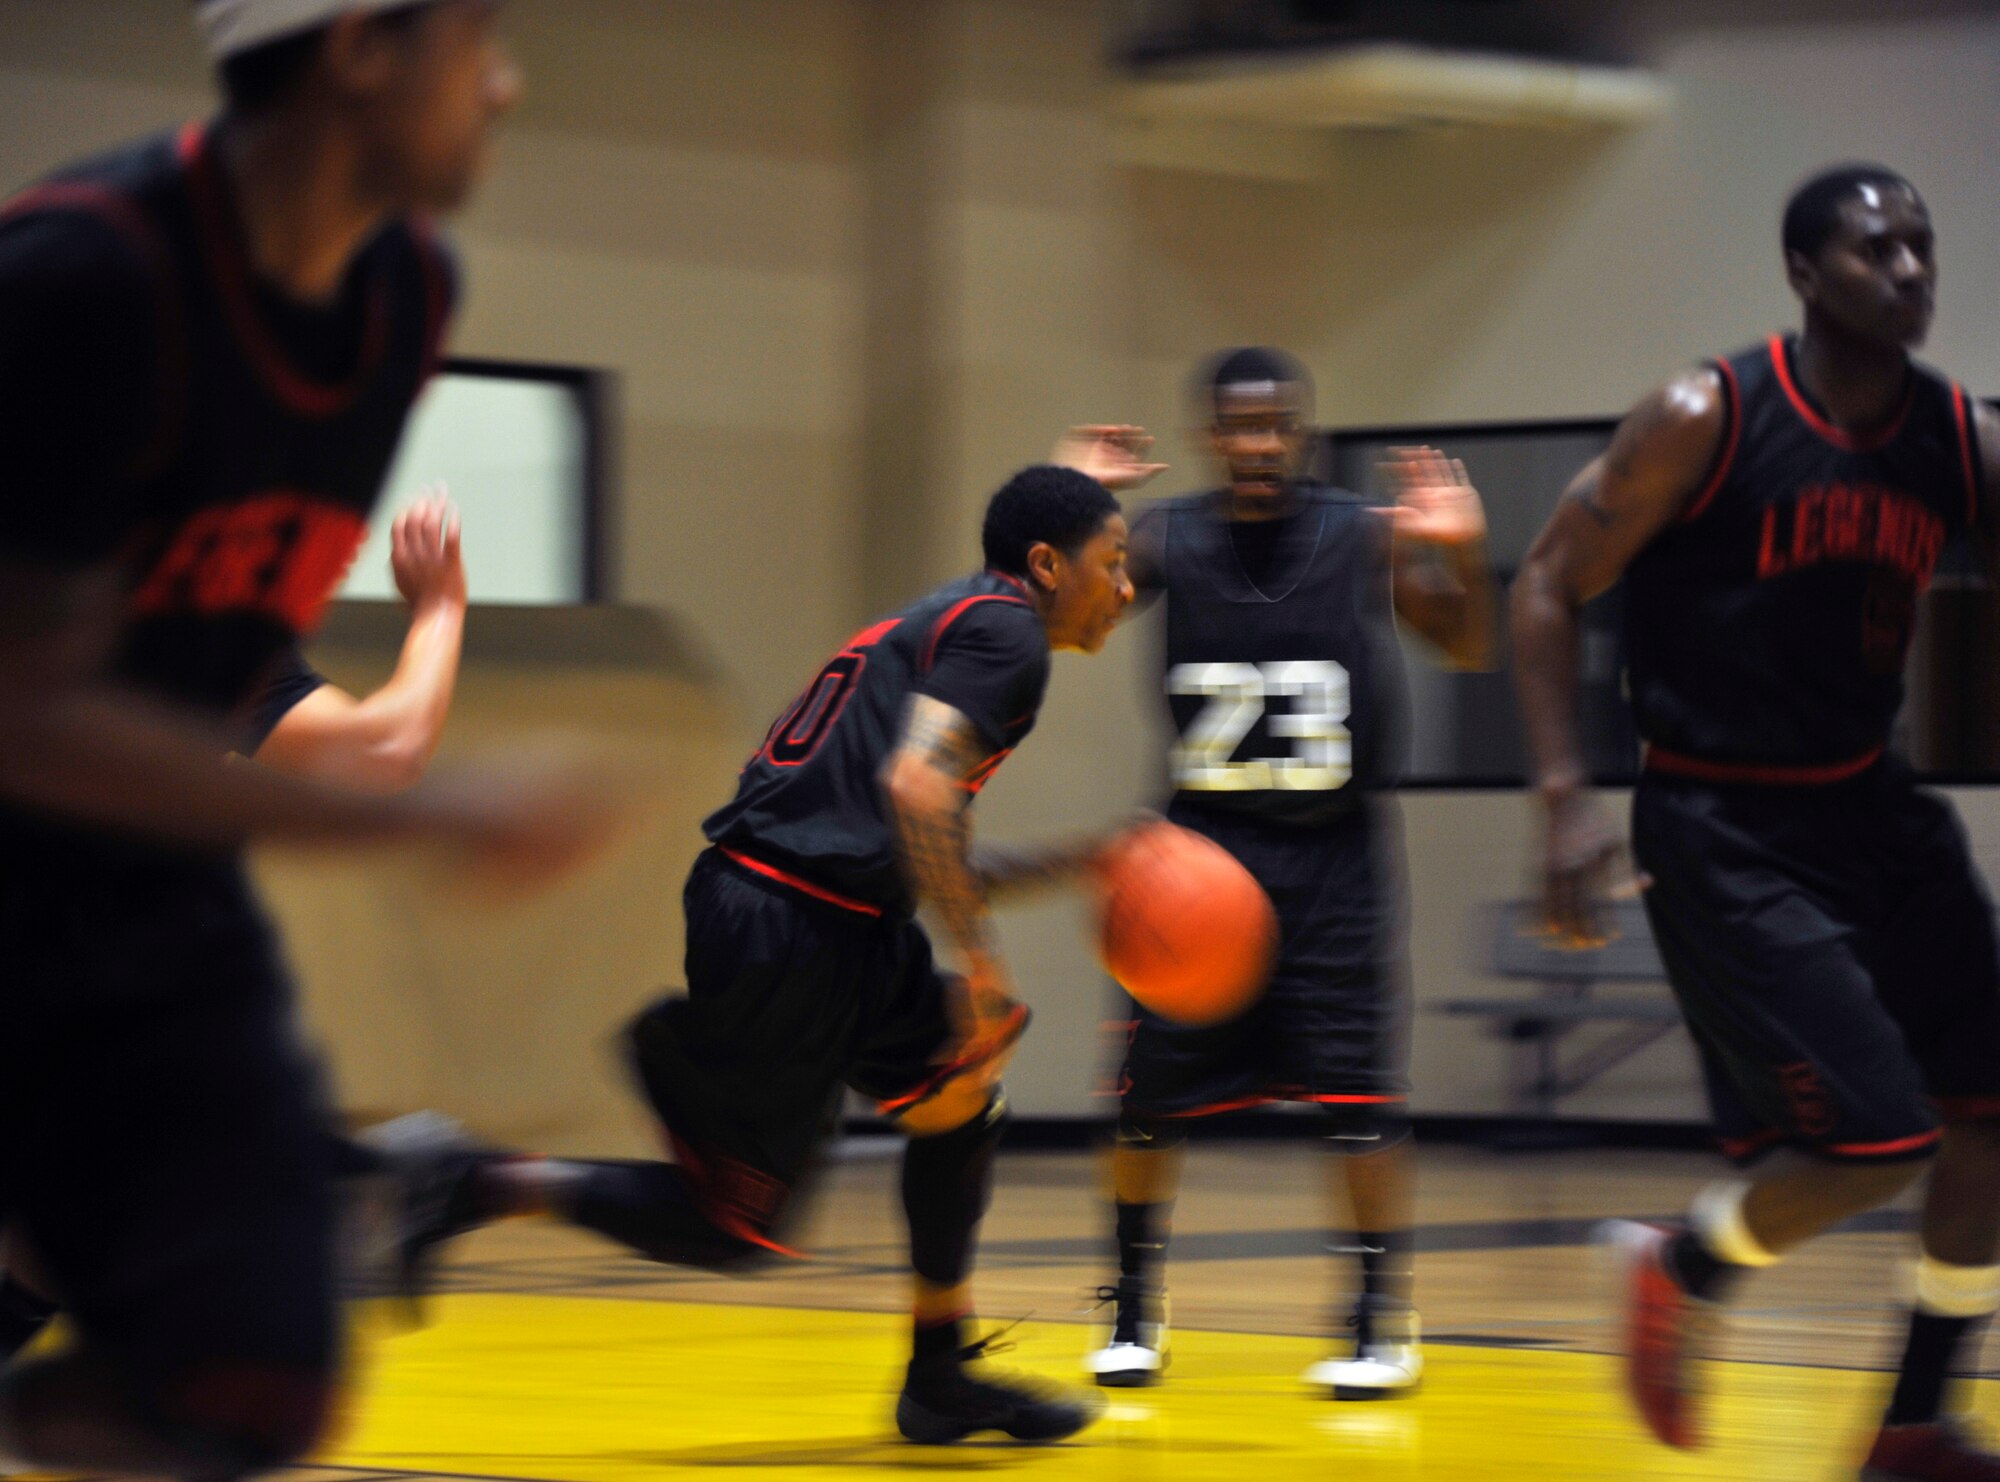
947,1183
1359,1128
649,1207
1150,1134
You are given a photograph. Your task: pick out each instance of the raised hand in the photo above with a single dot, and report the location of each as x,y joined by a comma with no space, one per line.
1435,501
424,550
1112,453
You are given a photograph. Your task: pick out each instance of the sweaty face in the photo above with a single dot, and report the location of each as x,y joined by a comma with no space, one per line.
1876,277
1258,433
452,80
1091,590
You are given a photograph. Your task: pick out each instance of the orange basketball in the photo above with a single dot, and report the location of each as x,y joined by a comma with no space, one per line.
1182,925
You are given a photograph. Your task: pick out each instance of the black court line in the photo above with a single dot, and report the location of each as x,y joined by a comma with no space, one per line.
1434,1239
618,1274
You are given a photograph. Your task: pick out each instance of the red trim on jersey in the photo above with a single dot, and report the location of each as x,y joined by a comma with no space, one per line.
804,887
1965,456
966,1060
1886,1149
725,1187
124,216
1675,764
1215,1108
1730,443
232,271
952,615
1737,1149
1847,442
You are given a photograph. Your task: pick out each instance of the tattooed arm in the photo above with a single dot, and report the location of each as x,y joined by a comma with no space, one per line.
1661,454
927,781
1005,871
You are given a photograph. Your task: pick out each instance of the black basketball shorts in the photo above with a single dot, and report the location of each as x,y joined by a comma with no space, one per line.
163,1147
1329,1026
1833,950
793,993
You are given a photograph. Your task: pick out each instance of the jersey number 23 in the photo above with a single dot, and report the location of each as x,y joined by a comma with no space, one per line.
1322,751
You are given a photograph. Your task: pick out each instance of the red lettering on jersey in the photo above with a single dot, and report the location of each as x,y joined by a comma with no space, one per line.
280,555
1868,523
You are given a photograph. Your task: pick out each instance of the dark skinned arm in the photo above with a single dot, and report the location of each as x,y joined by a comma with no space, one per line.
1659,457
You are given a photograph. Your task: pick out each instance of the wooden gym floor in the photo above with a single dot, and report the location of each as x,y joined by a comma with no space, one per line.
552,1356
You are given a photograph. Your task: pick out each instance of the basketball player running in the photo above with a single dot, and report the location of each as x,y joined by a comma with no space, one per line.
208,346
806,973
1775,515
1283,679
299,723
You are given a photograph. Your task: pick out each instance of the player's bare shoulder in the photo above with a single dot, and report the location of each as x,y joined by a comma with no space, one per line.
1667,445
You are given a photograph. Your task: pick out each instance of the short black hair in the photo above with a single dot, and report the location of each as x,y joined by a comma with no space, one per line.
1043,504
1251,365
1813,212
267,75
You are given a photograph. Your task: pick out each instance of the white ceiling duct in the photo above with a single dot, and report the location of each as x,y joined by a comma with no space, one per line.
1262,110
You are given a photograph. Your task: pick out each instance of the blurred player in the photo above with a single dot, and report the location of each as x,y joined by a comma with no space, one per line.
299,723
209,344
1283,679
1775,515
807,974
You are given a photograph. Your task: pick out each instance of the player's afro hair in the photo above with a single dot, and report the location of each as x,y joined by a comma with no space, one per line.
1814,209
1043,504
1248,366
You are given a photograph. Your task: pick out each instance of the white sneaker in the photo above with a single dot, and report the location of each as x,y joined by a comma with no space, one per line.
1135,1350
1388,1359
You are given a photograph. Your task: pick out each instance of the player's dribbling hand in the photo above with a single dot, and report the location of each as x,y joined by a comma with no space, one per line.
1436,503
424,551
1113,453
1583,859
990,1019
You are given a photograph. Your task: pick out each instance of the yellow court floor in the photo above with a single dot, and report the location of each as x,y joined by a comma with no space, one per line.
553,1357
591,1389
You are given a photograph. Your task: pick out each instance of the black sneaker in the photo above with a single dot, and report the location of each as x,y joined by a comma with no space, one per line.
431,1162
941,1402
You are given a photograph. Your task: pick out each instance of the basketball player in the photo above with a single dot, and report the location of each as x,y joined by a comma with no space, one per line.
1283,679
807,974
1775,515
209,344
299,723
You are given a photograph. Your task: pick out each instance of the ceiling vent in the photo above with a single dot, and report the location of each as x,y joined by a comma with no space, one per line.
1268,113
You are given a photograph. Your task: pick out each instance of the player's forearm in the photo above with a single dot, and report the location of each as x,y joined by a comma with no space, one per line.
934,831
1546,639
1004,872
102,757
401,724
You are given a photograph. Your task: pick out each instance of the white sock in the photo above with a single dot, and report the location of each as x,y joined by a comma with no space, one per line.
1957,1291
1717,1217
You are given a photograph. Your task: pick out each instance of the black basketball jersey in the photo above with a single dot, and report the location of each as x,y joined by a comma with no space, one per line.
1285,695
1767,628
809,807
252,472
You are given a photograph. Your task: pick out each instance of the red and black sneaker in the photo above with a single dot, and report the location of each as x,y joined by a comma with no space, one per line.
1664,1325
1938,1451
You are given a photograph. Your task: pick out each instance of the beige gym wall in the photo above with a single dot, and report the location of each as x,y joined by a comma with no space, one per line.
856,259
